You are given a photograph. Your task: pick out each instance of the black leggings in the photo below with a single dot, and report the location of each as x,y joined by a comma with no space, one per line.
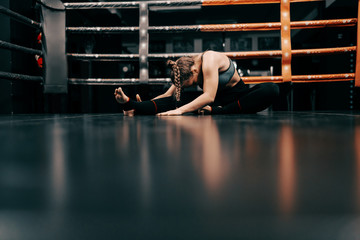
238,99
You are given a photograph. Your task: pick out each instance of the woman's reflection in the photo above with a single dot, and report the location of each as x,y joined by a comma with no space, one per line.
203,141
287,171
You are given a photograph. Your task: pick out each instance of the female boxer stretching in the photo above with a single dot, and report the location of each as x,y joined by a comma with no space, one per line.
223,90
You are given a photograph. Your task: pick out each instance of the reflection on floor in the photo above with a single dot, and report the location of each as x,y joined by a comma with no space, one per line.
267,176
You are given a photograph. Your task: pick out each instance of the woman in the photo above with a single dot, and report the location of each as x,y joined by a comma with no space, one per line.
223,90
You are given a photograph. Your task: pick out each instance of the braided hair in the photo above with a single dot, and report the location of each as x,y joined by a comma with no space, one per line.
175,78
180,71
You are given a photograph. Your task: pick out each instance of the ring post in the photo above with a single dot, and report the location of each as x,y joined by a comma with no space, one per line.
143,42
54,41
286,40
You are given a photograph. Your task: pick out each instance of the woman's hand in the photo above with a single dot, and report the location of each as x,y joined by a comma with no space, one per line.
174,112
129,113
205,110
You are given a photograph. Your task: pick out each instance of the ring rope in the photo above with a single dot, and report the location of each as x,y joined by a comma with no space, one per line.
15,76
20,17
277,25
10,46
101,29
302,78
238,2
297,52
249,80
100,5
103,5
233,55
222,27
101,56
116,81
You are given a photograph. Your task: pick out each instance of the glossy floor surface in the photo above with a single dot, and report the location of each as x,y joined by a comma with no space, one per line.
267,176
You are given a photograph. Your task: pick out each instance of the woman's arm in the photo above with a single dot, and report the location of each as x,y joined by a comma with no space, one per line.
199,102
168,93
210,68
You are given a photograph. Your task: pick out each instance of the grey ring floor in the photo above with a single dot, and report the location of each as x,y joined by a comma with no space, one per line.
278,175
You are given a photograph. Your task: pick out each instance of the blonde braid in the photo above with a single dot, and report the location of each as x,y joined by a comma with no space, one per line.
177,82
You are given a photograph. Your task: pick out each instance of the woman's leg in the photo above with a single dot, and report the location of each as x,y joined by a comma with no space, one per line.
256,99
146,107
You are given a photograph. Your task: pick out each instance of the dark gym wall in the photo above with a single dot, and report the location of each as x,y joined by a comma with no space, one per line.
5,55
327,96
19,96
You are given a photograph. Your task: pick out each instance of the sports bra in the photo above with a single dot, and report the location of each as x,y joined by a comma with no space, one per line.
225,76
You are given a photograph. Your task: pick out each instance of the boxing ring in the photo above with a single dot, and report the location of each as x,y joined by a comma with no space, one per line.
284,26
55,76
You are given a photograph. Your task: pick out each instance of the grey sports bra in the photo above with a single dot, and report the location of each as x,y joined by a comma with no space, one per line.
225,76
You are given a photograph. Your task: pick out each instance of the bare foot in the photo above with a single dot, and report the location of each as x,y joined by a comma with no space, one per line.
120,96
